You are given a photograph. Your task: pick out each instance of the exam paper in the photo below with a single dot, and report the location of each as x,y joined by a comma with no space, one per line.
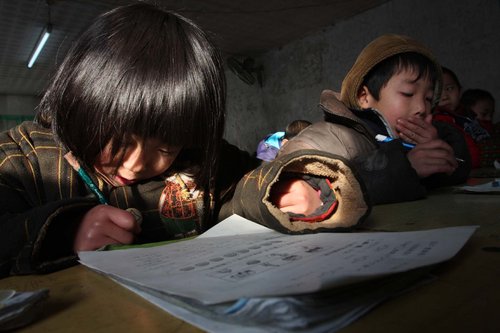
19,308
215,269
323,312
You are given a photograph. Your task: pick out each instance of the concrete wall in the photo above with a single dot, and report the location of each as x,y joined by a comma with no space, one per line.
16,108
464,35
246,117
18,104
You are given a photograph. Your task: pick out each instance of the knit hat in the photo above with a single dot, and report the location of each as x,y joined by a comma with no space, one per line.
376,51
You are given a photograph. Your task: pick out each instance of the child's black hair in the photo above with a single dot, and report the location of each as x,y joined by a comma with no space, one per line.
295,127
139,69
381,73
454,76
471,97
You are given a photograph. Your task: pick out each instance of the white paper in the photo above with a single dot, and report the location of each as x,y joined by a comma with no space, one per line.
225,268
311,313
493,186
234,226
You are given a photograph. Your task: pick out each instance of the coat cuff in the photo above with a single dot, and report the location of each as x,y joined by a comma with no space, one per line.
327,197
252,198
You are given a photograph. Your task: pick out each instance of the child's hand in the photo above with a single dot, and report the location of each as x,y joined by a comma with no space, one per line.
416,130
295,196
432,157
103,225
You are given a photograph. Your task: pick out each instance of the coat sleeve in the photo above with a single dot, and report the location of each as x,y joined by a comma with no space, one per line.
388,175
36,232
252,196
455,138
234,163
37,239
384,168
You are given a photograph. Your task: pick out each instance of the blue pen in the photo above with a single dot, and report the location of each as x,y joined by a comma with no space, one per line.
384,138
86,178
92,186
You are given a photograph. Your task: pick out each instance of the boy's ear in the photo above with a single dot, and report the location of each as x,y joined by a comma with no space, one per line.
364,97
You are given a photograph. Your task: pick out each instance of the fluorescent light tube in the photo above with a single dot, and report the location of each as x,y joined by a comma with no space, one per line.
44,36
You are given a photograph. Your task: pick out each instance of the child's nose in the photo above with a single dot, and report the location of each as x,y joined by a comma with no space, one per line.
136,160
420,109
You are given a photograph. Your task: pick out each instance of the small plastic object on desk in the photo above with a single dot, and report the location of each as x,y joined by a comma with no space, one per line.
19,308
492,187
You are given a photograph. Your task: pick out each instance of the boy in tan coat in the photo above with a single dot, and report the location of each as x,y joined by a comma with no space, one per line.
388,94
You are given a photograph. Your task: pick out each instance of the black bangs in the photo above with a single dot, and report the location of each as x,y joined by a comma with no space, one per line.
144,71
380,74
418,63
454,76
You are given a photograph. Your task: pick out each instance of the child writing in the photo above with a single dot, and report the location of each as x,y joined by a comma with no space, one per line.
388,93
126,144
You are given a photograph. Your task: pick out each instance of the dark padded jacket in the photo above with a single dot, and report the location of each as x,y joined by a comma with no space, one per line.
384,167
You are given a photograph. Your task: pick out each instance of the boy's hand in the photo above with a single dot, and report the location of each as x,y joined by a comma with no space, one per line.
295,196
416,130
103,225
432,157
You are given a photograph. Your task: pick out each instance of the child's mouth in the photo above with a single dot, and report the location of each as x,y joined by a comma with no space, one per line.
124,181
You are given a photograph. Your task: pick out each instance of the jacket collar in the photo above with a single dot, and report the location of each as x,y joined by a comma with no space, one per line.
368,122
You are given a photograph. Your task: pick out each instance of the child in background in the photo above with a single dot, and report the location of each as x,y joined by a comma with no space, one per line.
293,129
450,111
133,118
452,90
480,104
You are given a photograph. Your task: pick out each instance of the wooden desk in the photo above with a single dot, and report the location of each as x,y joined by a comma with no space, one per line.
83,301
465,297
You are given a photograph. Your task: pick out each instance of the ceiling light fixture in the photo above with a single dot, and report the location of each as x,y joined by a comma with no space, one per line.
44,36
42,39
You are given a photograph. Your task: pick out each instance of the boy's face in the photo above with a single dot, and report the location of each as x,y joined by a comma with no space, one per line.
402,97
137,160
483,109
450,96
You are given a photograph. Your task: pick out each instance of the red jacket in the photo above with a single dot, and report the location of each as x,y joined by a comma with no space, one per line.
471,144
